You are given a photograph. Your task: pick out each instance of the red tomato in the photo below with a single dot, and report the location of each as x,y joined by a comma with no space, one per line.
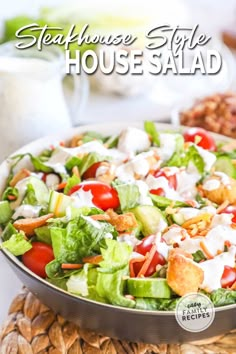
206,142
143,247
228,277
172,181
38,257
104,196
91,171
231,209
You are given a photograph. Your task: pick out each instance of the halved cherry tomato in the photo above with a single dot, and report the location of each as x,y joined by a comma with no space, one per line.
38,257
172,181
230,209
91,171
201,137
104,196
143,247
228,277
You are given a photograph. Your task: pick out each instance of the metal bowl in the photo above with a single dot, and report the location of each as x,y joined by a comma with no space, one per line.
123,323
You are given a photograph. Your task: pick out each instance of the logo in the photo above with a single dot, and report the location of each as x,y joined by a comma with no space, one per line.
195,312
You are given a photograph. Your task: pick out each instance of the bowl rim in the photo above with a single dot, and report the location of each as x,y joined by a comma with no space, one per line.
57,138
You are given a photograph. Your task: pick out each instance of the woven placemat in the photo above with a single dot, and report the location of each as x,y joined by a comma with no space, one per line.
33,328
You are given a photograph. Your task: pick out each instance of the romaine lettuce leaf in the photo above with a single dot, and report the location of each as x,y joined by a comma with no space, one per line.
111,286
89,160
71,182
115,256
128,194
223,297
30,197
163,202
183,158
156,304
150,128
17,244
81,237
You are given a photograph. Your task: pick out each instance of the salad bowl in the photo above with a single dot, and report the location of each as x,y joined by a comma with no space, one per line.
130,324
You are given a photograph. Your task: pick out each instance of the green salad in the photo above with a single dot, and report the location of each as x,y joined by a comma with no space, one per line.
136,219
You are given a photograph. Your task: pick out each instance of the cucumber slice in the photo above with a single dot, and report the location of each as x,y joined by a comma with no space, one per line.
224,164
5,212
149,287
58,202
178,218
40,189
150,218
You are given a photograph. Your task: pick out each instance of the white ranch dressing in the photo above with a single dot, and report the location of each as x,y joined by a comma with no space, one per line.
133,140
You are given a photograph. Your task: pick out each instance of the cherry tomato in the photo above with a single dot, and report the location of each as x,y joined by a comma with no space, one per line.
38,257
231,209
104,196
143,247
172,181
91,171
205,139
228,277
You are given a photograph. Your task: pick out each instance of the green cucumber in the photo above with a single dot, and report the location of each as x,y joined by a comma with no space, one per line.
224,164
5,212
58,202
40,189
178,218
150,218
149,287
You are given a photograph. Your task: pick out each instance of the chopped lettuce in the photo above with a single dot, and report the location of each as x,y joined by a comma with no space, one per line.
81,237
71,182
223,297
150,128
72,162
8,232
10,191
128,193
111,286
17,244
89,160
156,304
30,197
115,256
198,256
184,158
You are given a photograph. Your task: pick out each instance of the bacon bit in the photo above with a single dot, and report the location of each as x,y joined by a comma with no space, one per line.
28,225
222,207
100,217
93,259
75,171
227,243
11,197
131,264
71,266
19,176
62,143
61,185
130,297
148,261
205,250
202,217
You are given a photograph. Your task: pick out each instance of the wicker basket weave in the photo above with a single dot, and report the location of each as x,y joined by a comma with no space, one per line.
33,328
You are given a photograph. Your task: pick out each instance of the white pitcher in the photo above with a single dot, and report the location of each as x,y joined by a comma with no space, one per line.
32,101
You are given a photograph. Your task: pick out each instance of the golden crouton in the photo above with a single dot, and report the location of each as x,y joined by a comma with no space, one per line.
221,193
183,276
123,222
